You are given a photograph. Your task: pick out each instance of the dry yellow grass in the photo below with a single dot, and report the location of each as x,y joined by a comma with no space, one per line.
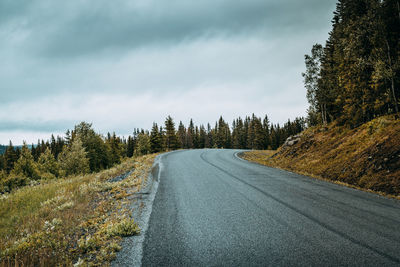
73,220
367,157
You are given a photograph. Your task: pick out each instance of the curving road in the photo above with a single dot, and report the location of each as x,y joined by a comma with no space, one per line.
213,208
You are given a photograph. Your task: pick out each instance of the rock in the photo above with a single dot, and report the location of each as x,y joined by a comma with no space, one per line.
292,140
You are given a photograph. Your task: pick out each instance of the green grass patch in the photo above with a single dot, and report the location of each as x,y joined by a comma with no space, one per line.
73,220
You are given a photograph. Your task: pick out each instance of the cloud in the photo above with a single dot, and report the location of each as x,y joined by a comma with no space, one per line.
124,64
80,28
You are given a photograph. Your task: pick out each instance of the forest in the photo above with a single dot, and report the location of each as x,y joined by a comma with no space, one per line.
355,77
82,150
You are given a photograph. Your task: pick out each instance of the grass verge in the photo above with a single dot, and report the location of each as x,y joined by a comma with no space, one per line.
74,221
366,158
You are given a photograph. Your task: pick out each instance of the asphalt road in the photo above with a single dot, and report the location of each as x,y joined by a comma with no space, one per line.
214,209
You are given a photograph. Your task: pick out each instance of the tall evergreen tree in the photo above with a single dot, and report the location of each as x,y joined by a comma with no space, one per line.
48,165
73,159
10,157
155,139
26,166
182,135
130,147
171,139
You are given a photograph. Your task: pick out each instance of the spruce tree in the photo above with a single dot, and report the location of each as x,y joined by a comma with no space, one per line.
48,165
130,147
10,157
73,159
155,139
171,139
25,165
182,135
143,146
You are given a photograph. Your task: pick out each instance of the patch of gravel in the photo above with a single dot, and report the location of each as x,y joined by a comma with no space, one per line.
141,207
121,177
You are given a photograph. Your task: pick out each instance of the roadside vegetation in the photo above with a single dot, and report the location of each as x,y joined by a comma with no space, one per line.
366,157
75,220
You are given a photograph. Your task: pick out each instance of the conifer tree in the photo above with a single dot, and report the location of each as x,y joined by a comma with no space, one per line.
73,159
48,165
259,134
190,135
143,146
98,152
182,135
171,139
311,80
162,138
115,148
267,138
10,157
130,147
26,166
202,137
155,139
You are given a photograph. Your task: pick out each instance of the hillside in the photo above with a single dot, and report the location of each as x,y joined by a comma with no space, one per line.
367,157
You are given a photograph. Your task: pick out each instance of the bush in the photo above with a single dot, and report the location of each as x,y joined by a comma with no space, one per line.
11,182
126,227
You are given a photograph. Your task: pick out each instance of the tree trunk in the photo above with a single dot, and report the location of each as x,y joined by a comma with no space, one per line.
398,8
392,78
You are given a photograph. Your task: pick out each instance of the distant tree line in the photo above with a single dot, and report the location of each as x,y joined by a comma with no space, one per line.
82,150
251,132
355,77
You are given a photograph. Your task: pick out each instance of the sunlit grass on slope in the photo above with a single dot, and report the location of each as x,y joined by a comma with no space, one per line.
367,157
73,220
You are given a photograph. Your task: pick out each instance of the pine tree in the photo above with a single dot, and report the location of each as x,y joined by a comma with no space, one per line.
171,139
259,134
143,146
26,166
130,147
267,134
209,140
10,157
182,135
115,148
190,135
48,165
73,159
99,153
312,77
202,137
155,139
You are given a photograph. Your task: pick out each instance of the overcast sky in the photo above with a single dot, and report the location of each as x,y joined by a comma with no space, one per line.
123,64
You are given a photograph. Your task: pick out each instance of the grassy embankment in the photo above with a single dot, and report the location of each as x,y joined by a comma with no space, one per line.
367,157
72,220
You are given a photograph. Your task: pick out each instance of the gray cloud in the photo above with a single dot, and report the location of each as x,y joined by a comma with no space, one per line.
63,60
71,28
49,126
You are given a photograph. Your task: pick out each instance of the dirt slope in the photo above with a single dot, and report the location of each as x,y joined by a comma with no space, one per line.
367,157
